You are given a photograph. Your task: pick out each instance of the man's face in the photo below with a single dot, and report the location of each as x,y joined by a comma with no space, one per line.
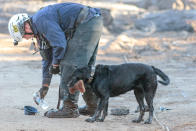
27,30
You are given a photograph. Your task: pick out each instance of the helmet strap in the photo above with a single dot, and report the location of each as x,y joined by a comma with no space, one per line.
28,33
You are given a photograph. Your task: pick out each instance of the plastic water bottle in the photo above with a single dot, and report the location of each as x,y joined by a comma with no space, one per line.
41,102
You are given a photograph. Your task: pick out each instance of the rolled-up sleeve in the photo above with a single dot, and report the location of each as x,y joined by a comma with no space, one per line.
45,72
46,63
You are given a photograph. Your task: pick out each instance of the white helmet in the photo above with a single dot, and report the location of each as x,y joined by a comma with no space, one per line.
16,26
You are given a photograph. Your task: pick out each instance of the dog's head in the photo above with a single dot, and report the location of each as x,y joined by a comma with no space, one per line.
78,77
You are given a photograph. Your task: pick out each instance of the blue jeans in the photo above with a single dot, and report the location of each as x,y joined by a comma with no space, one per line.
81,51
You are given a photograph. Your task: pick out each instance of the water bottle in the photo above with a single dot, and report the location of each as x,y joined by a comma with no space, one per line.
41,102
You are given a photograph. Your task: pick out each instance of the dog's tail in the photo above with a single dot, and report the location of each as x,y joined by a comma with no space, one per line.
165,78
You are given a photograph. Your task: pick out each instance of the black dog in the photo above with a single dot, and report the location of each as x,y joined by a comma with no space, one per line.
113,80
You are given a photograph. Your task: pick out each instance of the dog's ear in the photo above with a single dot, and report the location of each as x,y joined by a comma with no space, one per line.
84,72
102,69
106,69
98,69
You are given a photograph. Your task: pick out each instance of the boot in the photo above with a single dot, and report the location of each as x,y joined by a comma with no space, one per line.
91,102
69,110
87,110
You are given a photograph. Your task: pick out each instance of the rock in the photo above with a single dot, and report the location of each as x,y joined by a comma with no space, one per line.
184,4
120,111
164,4
170,20
154,4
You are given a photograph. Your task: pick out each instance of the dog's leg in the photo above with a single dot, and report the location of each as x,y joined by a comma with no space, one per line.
149,95
149,100
97,112
145,107
140,99
105,110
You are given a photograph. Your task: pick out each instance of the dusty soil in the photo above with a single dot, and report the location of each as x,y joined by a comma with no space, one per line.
172,52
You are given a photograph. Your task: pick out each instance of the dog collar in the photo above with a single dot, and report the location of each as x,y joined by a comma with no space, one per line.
90,79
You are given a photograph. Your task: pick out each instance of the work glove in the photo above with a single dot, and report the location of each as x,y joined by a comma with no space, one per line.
54,69
43,91
39,95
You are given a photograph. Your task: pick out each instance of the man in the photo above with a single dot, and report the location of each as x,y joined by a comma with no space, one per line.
68,36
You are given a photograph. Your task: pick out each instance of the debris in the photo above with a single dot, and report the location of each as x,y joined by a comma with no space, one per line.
163,108
119,111
183,94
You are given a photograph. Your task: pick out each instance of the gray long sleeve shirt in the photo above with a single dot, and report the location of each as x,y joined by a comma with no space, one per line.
52,22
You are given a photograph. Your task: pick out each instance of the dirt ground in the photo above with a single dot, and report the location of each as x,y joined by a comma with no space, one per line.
172,52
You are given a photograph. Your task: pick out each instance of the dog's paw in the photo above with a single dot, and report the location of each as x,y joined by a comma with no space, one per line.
136,121
100,120
91,120
148,122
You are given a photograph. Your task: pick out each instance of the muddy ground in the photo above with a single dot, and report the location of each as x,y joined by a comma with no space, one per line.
172,52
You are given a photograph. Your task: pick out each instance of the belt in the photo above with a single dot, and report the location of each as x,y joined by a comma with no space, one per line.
82,16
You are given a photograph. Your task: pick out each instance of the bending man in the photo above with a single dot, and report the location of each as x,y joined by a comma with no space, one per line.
68,36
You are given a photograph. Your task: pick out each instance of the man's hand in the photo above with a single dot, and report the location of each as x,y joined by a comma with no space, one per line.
40,94
54,69
43,91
